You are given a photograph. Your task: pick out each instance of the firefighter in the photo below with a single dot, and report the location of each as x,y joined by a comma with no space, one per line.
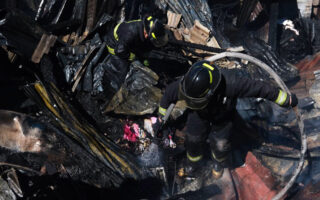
210,94
134,39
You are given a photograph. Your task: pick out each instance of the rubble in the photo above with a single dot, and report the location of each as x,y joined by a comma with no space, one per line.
6,192
138,87
314,89
84,126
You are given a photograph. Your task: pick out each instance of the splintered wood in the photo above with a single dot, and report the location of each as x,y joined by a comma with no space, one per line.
46,42
199,34
173,19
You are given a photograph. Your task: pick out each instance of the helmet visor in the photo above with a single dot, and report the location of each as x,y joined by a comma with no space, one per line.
192,103
159,41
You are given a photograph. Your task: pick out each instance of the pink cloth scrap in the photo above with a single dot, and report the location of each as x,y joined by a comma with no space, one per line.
153,120
131,133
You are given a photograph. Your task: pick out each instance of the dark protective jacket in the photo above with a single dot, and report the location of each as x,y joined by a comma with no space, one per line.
127,38
223,102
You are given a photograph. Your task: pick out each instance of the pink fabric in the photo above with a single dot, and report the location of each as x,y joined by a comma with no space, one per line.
153,120
128,134
136,129
131,132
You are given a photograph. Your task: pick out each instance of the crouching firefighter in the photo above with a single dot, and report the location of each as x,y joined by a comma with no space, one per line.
134,39
211,94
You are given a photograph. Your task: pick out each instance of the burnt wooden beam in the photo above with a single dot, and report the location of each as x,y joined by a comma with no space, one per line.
273,23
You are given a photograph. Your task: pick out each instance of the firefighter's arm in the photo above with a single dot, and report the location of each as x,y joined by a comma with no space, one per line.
122,50
170,96
167,101
246,87
286,100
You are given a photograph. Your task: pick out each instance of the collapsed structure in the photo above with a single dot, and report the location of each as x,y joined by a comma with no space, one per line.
86,131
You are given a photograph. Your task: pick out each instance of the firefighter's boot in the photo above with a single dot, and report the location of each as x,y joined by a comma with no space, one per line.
217,169
190,166
218,166
193,165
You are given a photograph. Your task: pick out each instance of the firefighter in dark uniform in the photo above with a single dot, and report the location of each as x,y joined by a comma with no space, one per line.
129,41
134,39
210,94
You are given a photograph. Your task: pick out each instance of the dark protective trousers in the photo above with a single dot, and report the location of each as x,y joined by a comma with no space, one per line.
200,128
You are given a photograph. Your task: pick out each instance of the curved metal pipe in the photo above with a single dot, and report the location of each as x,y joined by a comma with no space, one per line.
275,76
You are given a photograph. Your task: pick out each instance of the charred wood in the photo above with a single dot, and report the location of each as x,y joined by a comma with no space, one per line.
261,50
19,32
273,25
245,12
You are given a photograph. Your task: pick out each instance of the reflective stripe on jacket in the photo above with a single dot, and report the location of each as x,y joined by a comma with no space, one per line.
130,36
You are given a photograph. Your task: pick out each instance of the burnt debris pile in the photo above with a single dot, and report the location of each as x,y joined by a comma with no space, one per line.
80,97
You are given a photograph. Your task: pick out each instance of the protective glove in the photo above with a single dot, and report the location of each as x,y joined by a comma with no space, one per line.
122,51
163,132
156,126
294,100
146,63
152,125
290,101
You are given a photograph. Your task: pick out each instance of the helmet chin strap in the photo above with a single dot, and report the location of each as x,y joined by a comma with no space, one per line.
145,34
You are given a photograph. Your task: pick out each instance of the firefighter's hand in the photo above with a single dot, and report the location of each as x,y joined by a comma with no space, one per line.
152,125
121,50
156,125
293,100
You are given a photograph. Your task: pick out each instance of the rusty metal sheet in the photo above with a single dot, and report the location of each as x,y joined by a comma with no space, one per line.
311,192
310,63
254,181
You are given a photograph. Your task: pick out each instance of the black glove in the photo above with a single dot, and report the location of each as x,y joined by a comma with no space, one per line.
294,100
122,51
157,126
293,103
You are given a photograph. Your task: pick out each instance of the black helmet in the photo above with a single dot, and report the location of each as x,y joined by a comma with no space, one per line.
156,31
199,84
